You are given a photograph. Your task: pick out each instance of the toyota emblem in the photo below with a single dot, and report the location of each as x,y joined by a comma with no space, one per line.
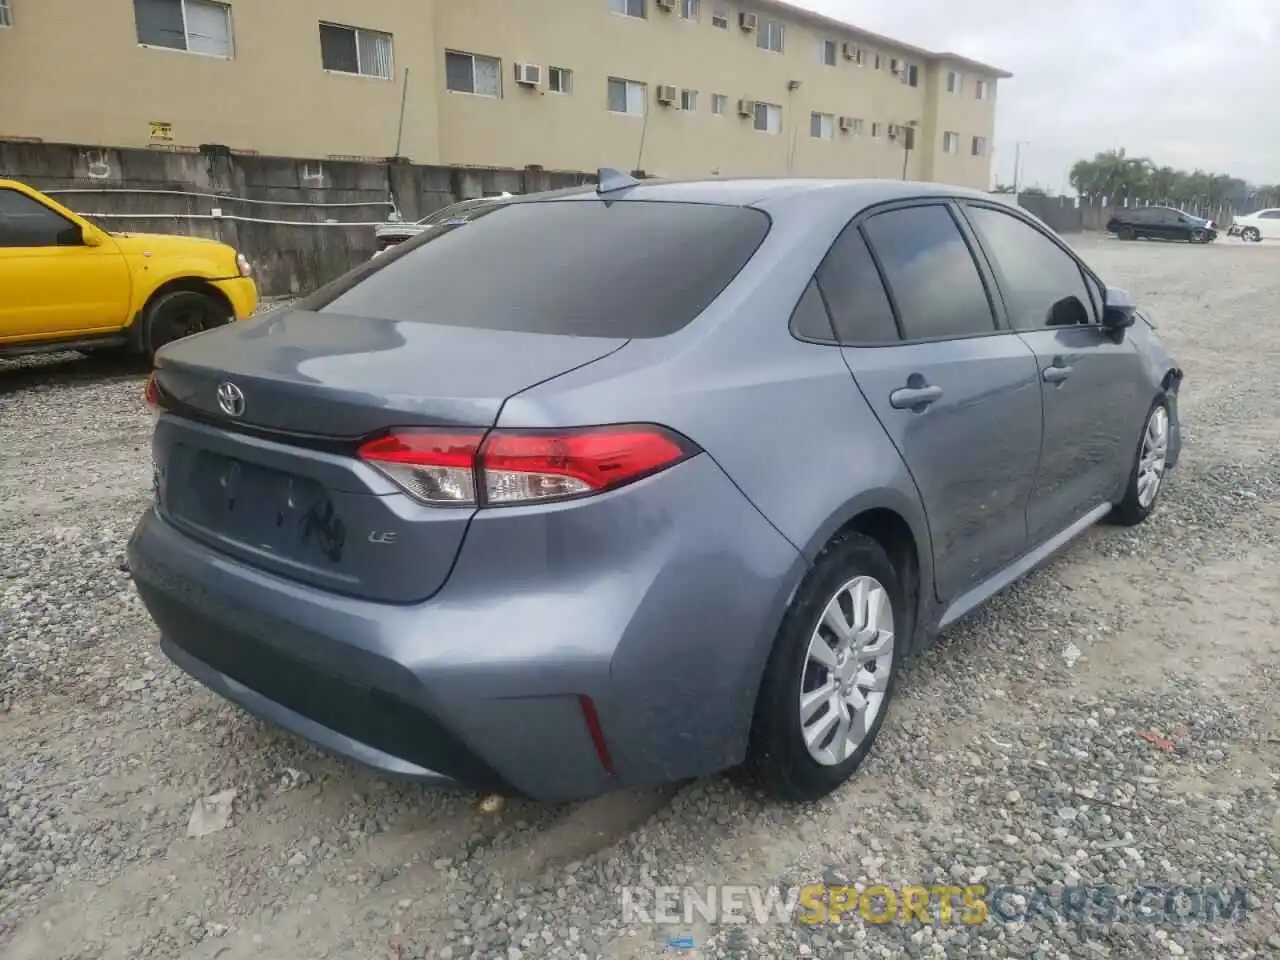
230,399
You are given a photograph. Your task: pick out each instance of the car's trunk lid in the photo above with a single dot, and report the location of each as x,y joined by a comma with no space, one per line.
278,486
320,373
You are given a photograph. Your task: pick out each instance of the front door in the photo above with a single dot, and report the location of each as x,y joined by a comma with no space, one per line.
51,284
958,397
1092,408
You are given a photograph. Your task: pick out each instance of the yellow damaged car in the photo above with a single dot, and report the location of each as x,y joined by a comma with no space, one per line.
67,285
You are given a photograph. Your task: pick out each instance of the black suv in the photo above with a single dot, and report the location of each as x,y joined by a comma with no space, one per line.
1161,223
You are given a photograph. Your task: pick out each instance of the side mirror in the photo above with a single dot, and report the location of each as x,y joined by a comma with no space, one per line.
1118,311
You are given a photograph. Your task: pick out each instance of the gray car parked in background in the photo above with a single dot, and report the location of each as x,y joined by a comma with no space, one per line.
629,484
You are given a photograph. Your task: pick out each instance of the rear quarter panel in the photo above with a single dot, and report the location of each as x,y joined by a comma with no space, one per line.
783,418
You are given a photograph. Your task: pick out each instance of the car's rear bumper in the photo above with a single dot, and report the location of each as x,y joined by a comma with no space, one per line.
658,604
243,294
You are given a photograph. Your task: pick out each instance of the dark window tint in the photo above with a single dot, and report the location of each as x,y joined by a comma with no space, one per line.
854,293
624,269
810,319
930,272
1035,273
338,49
1270,215
160,23
26,223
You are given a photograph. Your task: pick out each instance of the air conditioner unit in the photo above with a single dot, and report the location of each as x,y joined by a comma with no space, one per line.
746,108
846,124
895,131
528,74
895,65
748,21
667,93
666,4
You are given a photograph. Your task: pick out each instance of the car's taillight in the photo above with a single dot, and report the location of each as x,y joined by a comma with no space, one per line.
152,394
507,467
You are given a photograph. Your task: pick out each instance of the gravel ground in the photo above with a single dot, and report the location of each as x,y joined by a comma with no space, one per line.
1012,756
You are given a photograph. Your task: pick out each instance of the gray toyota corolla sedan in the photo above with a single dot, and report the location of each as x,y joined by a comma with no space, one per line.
639,482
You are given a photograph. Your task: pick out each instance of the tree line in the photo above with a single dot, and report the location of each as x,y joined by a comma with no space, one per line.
1115,175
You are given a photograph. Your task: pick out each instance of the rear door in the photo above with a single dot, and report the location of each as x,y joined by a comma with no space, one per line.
1091,385
957,394
51,284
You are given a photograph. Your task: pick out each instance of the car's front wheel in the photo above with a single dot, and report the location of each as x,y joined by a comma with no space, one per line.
832,671
1199,236
1146,478
177,314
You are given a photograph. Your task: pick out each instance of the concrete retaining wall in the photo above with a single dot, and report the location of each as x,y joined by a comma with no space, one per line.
300,222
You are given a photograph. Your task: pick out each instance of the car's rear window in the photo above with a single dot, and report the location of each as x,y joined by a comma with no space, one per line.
583,267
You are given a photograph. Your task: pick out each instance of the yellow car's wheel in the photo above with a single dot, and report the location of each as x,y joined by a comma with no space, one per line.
177,314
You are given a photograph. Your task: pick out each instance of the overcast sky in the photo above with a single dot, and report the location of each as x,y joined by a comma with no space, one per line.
1189,83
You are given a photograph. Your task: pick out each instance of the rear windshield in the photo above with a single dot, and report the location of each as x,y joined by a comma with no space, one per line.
583,267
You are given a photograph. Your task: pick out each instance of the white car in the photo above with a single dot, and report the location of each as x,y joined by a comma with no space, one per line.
1259,226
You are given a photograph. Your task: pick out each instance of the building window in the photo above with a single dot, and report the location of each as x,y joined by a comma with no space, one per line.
6,15
908,137
689,9
720,16
859,55
769,36
196,26
955,82
719,104
822,126
982,90
768,118
950,142
979,146
627,96
859,126
688,99
471,73
877,130
879,61
910,73
629,8
828,51
560,80
351,50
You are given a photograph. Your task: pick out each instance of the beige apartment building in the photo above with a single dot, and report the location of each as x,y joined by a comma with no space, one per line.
677,88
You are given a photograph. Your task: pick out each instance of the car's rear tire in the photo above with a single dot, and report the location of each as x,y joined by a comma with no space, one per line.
1251,235
177,314
832,672
1146,477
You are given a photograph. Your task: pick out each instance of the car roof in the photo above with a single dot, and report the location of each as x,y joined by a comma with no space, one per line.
772,192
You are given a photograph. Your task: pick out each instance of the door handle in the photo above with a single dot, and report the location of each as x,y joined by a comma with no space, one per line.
1056,374
914,398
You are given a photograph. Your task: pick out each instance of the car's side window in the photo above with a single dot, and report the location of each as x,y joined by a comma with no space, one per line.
1097,292
930,272
27,223
855,294
809,320
1270,215
1036,276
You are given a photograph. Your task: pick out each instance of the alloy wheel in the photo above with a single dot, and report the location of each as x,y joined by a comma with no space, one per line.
1155,452
847,669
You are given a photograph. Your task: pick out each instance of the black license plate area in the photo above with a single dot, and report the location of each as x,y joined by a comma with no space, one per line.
258,506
